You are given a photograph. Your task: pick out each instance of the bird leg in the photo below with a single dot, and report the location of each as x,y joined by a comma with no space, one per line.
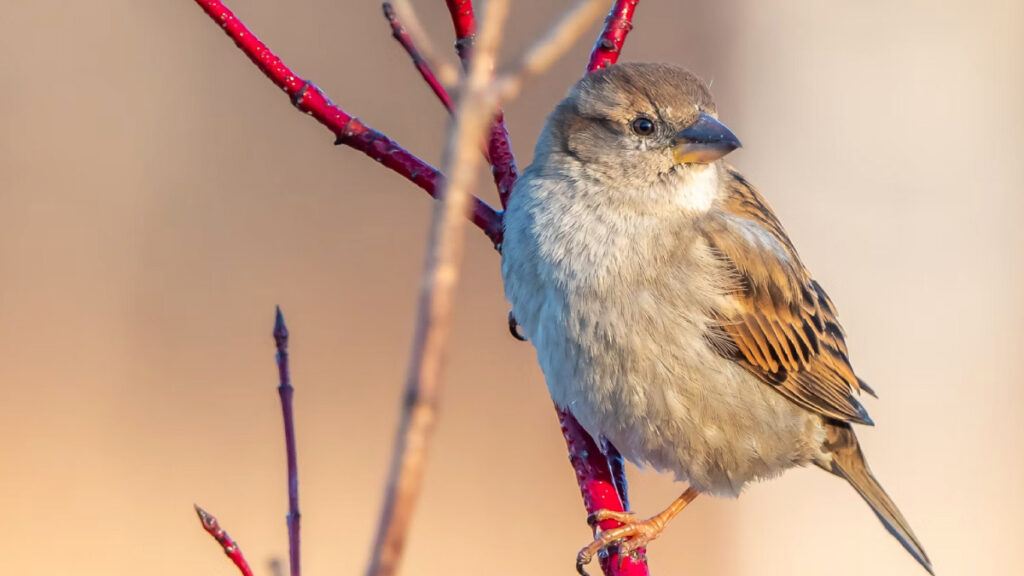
633,533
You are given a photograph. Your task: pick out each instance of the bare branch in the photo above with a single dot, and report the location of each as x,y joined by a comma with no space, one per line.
285,391
446,72
231,549
599,480
349,130
499,149
617,26
406,39
598,486
549,48
433,320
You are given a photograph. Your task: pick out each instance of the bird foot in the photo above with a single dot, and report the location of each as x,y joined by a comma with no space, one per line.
633,534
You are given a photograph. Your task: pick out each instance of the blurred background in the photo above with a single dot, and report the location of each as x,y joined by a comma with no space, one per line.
158,196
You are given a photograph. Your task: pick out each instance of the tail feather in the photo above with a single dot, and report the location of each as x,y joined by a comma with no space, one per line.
848,463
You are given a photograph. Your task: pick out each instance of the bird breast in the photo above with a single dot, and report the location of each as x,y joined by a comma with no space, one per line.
618,306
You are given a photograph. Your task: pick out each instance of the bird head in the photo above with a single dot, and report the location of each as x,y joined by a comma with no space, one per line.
638,123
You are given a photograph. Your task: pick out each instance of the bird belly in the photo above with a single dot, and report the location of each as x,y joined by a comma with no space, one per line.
617,309
638,370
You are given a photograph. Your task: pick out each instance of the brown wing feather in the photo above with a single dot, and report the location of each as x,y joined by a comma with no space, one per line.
783,327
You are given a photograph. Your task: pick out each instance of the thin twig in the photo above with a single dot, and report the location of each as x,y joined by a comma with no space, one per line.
433,320
405,38
617,25
550,47
499,148
285,391
408,40
348,129
504,170
446,73
561,37
231,549
464,23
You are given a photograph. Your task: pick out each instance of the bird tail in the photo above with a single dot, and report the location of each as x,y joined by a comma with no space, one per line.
848,463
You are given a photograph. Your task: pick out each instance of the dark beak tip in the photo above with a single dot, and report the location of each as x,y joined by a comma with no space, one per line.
730,140
711,131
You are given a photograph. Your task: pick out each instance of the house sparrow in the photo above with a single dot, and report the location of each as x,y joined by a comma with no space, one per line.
670,312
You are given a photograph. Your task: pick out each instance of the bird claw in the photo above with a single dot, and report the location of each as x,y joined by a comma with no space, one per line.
601,515
630,537
582,559
513,328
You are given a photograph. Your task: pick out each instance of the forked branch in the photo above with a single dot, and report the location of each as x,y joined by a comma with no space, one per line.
499,149
347,129
436,301
601,481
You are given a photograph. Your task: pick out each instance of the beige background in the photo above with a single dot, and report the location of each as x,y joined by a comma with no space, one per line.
158,197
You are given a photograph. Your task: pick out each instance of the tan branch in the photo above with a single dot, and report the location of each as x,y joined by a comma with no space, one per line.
441,274
549,48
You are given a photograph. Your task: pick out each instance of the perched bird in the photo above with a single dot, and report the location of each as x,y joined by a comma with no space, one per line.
670,312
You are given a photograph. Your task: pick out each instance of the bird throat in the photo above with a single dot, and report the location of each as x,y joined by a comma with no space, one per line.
696,188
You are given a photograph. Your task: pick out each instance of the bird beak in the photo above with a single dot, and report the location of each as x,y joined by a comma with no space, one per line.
704,142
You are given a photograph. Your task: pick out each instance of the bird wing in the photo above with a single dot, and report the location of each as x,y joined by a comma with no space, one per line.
780,325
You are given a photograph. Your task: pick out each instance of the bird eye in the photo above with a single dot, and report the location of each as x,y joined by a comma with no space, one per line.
643,126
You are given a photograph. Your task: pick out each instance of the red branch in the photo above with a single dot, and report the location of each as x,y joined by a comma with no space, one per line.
403,38
616,26
464,22
600,492
503,163
499,150
349,130
600,477
230,548
285,391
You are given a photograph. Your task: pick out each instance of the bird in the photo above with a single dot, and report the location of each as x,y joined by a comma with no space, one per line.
669,310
